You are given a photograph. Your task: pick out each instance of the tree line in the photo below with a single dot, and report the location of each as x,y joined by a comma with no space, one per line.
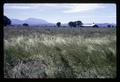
78,23
7,21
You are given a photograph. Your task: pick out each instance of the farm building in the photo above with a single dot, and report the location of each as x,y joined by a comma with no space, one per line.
104,25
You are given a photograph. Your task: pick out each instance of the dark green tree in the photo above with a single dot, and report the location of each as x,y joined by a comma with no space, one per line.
75,23
25,24
79,23
70,24
7,21
109,26
96,26
58,24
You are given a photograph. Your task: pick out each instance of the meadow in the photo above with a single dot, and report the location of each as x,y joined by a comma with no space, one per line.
36,52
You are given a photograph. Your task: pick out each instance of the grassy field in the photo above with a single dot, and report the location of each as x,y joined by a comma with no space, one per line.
59,52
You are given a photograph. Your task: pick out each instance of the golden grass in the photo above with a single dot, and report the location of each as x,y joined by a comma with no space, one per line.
59,56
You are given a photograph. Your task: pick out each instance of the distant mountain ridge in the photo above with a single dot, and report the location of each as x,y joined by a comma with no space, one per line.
36,21
16,21
30,21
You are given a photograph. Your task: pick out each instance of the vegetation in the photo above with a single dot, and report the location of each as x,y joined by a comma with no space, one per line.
31,52
79,23
75,23
95,26
7,21
25,24
58,24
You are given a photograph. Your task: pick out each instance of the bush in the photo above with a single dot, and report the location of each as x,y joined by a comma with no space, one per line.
58,24
25,24
75,23
7,21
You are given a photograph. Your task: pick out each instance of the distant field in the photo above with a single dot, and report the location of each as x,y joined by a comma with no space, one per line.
59,52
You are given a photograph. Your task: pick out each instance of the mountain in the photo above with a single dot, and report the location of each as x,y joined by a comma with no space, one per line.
34,21
30,21
105,24
16,21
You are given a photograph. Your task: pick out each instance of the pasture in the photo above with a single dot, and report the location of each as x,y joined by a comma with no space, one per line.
31,52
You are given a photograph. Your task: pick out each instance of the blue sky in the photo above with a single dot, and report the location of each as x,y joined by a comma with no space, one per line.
87,13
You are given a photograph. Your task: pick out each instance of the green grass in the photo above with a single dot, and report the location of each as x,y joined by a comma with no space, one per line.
60,52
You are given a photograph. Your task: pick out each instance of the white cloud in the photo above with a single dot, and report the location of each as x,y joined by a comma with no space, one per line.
67,8
28,6
20,6
75,8
48,5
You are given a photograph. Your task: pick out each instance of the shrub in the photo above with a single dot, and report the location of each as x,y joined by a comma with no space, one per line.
25,24
7,21
58,24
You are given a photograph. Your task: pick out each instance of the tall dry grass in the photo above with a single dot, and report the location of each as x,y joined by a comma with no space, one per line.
60,53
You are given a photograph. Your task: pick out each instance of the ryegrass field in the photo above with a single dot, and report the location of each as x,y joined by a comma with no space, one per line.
59,52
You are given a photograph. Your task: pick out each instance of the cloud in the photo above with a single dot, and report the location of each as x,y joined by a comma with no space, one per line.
20,6
48,5
28,6
67,8
75,8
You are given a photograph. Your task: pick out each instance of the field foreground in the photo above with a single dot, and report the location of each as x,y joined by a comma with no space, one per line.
59,52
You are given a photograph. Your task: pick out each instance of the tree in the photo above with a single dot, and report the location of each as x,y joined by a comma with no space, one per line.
70,24
79,23
109,26
75,24
58,24
25,24
7,21
95,25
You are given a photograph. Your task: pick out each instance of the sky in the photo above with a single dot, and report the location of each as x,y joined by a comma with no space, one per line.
64,12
